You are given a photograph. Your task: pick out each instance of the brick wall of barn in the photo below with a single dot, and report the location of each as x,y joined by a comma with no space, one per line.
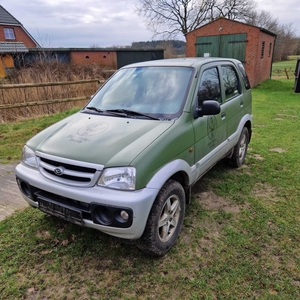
264,57
258,66
105,58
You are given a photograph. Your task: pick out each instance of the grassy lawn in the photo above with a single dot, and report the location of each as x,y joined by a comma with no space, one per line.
240,238
280,68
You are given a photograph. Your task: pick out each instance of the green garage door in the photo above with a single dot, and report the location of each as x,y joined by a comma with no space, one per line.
229,45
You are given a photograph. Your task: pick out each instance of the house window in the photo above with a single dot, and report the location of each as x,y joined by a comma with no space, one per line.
270,49
9,34
262,50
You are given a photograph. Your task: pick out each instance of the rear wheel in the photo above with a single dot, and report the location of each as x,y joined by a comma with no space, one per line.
165,220
240,150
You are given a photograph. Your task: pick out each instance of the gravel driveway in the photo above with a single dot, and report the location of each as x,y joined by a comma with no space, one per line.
10,196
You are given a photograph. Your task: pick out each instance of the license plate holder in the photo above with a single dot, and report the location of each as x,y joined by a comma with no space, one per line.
60,210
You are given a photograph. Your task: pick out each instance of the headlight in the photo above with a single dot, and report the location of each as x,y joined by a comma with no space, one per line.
121,178
28,157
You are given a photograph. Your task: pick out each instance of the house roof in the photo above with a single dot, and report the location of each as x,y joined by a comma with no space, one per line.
7,18
12,47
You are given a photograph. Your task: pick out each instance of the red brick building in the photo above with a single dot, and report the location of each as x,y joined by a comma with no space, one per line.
227,38
113,58
12,31
14,39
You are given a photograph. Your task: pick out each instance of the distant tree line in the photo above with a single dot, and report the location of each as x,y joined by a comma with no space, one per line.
171,47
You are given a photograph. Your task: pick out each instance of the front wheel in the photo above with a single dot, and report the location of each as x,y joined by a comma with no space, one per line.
240,150
165,220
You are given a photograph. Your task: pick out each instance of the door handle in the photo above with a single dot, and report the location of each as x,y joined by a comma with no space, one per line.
242,103
223,115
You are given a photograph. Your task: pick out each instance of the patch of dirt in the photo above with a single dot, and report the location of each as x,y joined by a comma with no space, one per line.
278,119
265,191
278,150
205,244
256,156
43,234
289,116
211,201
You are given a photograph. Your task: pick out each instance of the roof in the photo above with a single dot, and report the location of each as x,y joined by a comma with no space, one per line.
235,21
182,62
7,18
93,50
12,47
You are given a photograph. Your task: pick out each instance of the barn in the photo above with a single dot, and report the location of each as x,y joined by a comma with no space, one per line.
252,45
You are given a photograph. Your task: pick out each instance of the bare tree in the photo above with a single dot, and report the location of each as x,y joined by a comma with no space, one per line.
265,20
242,10
297,50
286,42
170,17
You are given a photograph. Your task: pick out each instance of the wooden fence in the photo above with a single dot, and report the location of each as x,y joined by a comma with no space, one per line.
30,99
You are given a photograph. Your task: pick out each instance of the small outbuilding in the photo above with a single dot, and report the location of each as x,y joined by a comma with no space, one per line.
252,45
109,58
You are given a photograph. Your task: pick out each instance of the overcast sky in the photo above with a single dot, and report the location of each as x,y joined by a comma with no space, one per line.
105,23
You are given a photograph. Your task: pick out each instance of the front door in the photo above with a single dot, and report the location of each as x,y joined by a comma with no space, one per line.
210,131
233,105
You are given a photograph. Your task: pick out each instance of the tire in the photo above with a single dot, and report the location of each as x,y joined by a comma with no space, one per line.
240,150
164,221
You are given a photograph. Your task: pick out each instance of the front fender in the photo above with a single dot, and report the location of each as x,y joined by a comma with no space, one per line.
168,170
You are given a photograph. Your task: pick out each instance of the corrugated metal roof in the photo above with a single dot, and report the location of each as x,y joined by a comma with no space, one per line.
12,47
7,18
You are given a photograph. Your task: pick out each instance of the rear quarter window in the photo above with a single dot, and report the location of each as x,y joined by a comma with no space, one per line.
245,77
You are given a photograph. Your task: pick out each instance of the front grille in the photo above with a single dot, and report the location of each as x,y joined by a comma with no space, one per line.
70,172
68,166
69,177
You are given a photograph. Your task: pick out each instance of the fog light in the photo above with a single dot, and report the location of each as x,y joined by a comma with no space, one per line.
24,187
124,215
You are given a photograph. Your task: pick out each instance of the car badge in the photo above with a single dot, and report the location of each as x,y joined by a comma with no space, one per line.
59,171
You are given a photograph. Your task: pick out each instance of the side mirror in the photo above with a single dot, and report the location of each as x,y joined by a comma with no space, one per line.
208,108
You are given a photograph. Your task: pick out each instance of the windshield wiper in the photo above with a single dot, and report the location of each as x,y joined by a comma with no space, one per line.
95,109
131,113
108,112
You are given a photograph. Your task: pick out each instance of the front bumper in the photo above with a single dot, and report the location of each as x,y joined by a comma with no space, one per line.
90,201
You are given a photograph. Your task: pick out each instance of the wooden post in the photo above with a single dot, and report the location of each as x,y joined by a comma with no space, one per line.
287,74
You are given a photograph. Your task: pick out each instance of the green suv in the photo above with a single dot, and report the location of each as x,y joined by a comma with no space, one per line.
125,164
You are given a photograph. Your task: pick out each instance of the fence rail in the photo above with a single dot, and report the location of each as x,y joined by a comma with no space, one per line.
17,100
47,84
30,85
37,103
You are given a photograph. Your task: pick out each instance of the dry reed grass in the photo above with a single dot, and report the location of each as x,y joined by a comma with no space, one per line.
44,72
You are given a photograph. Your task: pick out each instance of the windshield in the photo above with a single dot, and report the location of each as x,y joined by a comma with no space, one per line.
156,91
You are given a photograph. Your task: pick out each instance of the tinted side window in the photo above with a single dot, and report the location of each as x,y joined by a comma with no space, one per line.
245,77
231,82
209,88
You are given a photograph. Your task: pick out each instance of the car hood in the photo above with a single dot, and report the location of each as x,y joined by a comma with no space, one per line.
106,140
